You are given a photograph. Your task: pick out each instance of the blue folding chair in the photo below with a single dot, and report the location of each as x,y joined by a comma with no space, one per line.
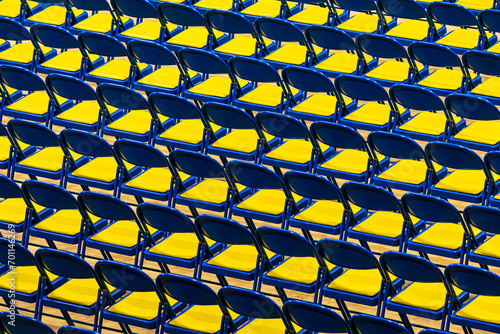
204,313
492,163
450,77
378,113
55,12
38,104
478,312
478,135
120,67
245,140
297,51
9,150
143,305
189,130
268,92
365,324
412,172
297,148
19,324
350,61
470,181
399,68
315,107
488,19
485,63
70,60
416,25
487,220
103,20
471,36
433,122
353,160
168,76
313,317
18,10
303,269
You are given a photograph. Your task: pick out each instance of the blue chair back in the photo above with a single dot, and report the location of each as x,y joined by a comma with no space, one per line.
484,218
182,15
164,218
471,107
492,161
475,280
105,206
432,54
228,116
22,254
255,70
370,197
283,126
71,88
9,189
363,323
32,133
230,22
203,61
140,154
74,330
285,242
54,37
124,276
312,186
483,62
224,230
430,208
360,88
102,45
490,19
151,53
91,5
314,317
86,143
395,145
408,9
174,106
417,98
346,254
279,30
451,14
196,164
186,289
338,135
63,264
49,195
381,46
307,79
20,78
454,156
122,97
13,30
135,8
330,38
411,267
356,5
253,175
22,324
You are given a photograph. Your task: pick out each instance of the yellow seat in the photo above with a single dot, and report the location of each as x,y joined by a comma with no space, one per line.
48,159
302,270
13,210
462,38
266,8
199,318
82,291
22,53
238,257
70,61
392,70
407,171
319,104
365,282
264,325
349,161
148,30
5,147
240,140
428,122
85,112
465,181
240,46
443,235
495,48
121,233
12,8
100,169
138,304
266,94
187,131
444,78
54,15
412,29
491,87
485,132
325,213
268,201
215,4
153,179
382,223
99,22
135,121
26,279
428,296
476,4
342,62
482,308
360,23
313,15
67,222
294,150
209,190
214,86
194,37
371,113
35,103
294,54
166,77
116,69
179,245
490,247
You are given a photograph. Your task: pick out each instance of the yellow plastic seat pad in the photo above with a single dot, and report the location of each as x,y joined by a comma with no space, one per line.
240,140
55,15
199,318
444,78
349,161
138,304
209,190
48,159
485,132
238,257
302,270
100,169
443,235
490,87
121,233
81,291
371,113
178,245
482,308
214,4
392,70
325,213
428,296
465,181
406,171
116,69
135,121
428,122
12,8
35,103
360,23
294,150
312,15
476,4
99,22
319,104
342,62
70,61
495,48
166,77
382,223
366,282
263,325
267,8
67,222
214,86
13,210
294,54
194,37
86,112
187,131
462,38
26,279
148,30
153,179
5,147
240,46
267,201
490,247
265,94
21,53
411,29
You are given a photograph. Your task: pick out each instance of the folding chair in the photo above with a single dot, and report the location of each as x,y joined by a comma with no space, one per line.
104,169
138,122
471,181
262,314
38,104
482,133
235,25
270,200
120,67
471,36
433,122
88,113
413,171
152,29
168,75
451,77
18,10
56,12
204,313
23,324
315,107
297,50
219,84
104,18
416,25
303,269
350,61
268,92
189,130
479,311
399,69
485,219
487,64
245,140
317,13
124,233
51,160
196,33
492,164
488,19
378,113
9,150
157,179
354,160
142,305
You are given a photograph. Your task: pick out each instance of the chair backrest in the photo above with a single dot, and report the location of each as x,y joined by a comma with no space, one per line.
74,330
472,107
453,156
23,256
102,45
32,133
279,30
417,98
370,197
363,323
224,230
475,280
140,154
122,97
13,30
124,276
283,126
49,195
490,19
356,5
381,46
312,186
135,8
255,70
54,37
90,5
360,88
285,242
230,22
330,38
452,14
22,324
411,267
338,135
181,14
63,264
408,9
174,106
395,145
254,175
432,54
187,290
346,254
483,62
307,79
9,188
430,208
86,143
21,79
165,218
492,161
203,61
228,116
106,206
71,88
196,164
483,217
151,53
314,317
